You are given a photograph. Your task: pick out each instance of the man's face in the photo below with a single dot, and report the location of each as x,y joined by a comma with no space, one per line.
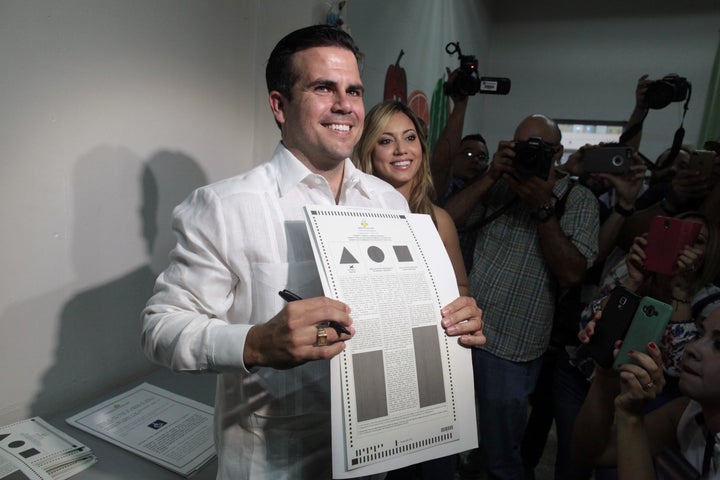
471,160
324,119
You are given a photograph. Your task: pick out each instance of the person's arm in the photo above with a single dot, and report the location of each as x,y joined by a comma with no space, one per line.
448,143
594,441
637,117
640,438
611,427
449,236
562,257
461,205
184,323
627,188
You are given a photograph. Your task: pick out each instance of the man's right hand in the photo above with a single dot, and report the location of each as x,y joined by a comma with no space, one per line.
502,160
289,338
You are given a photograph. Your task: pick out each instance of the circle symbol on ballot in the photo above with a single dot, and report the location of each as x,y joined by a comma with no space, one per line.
376,254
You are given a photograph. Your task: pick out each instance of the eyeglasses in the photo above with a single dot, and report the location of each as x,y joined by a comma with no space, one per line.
478,156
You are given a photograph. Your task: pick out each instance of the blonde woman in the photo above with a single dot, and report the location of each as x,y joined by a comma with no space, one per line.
393,148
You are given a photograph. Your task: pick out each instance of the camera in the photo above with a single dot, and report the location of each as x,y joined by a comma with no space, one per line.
468,82
533,158
670,88
608,158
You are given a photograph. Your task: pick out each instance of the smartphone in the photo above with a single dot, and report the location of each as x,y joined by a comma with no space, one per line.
648,325
614,159
702,161
666,238
612,326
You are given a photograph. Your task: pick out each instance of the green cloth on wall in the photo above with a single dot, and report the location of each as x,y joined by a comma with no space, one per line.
710,128
438,113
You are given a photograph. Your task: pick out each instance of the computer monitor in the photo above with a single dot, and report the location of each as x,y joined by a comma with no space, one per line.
576,133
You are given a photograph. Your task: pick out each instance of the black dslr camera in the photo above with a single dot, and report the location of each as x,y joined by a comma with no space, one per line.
468,82
533,158
671,88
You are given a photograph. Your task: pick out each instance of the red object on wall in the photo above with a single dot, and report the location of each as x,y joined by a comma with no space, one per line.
396,82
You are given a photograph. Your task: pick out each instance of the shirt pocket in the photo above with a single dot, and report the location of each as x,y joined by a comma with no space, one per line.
268,279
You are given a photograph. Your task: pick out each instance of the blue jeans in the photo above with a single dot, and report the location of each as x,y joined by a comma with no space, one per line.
569,391
502,389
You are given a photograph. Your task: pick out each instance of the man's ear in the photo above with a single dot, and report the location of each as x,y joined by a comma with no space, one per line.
277,105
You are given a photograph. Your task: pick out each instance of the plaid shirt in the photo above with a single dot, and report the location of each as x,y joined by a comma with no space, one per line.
509,278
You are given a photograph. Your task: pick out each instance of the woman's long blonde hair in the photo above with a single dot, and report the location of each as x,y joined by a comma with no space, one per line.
422,192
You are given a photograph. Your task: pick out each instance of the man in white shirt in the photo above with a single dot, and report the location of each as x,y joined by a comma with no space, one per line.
241,240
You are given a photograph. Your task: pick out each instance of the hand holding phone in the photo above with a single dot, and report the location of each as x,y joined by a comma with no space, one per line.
667,237
648,325
612,326
614,159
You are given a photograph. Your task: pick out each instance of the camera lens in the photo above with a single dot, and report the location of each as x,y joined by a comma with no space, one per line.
659,94
670,88
617,161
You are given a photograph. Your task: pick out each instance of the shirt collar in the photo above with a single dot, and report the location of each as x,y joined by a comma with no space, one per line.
290,172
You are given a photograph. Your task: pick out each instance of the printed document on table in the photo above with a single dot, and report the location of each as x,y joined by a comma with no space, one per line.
402,391
34,449
168,429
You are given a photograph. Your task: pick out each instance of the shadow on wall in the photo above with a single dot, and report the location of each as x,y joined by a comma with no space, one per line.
98,343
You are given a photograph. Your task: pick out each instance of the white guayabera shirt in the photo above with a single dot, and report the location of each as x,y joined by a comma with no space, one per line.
240,241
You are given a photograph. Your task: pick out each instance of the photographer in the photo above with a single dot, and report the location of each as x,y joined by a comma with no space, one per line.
535,234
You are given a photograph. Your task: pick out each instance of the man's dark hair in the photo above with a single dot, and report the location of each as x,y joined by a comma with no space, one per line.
280,74
475,137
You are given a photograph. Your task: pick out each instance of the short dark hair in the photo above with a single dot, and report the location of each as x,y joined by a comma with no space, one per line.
476,137
279,72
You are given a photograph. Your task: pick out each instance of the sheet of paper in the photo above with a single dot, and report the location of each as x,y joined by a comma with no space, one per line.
41,451
168,429
402,391
12,469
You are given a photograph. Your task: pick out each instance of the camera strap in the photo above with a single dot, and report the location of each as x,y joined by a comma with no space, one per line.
485,220
559,210
679,133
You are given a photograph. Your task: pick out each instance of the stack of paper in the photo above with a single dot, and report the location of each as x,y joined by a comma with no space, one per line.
168,429
36,450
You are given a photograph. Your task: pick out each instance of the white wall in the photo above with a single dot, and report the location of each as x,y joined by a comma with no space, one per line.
570,64
94,93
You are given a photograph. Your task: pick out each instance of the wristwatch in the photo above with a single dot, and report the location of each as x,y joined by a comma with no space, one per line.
624,212
544,213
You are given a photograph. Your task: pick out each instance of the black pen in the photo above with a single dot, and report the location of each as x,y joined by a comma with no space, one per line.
289,296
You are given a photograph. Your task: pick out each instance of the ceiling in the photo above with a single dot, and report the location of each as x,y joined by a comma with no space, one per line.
524,10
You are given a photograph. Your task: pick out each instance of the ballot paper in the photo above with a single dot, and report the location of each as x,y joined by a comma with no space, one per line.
402,391
34,449
168,429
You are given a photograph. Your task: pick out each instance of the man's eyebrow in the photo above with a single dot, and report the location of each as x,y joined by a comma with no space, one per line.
332,83
357,87
322,82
